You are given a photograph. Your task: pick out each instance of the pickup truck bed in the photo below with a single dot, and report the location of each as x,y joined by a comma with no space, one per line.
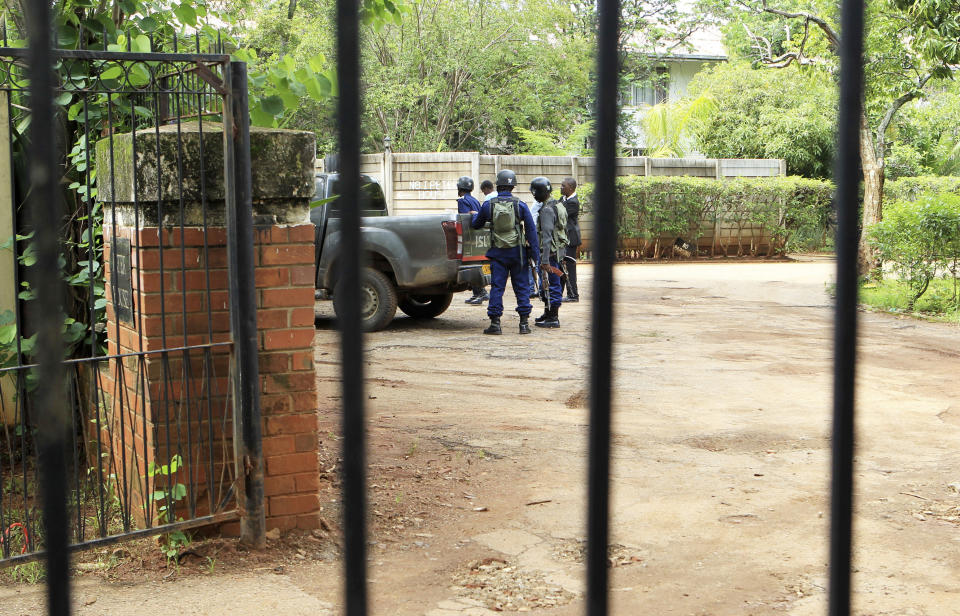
414,263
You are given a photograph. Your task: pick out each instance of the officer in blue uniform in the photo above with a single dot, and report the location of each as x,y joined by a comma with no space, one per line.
467,204
513,239
550,221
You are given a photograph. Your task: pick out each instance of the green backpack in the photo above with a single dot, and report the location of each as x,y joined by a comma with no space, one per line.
505,228
560,239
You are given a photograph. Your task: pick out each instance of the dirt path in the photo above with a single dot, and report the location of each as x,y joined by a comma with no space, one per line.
720,471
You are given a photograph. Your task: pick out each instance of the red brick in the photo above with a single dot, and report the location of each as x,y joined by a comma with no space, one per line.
273,319
288,382
293,463
266,277
288,339
275,404
291,424
302,275
274,486
301,360
288,254
280,444
152,282
265,235
197,279
219,322
294,504
149,259
303,317
219,300
274,362
307,482
153,303
294,298
305,442
302,233
304,401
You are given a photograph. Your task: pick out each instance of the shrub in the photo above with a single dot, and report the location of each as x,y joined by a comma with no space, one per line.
912,188
920,240
657,210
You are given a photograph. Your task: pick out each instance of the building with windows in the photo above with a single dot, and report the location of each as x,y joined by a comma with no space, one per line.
669,79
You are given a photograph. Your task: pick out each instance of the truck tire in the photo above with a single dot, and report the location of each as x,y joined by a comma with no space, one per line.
425,306
378,300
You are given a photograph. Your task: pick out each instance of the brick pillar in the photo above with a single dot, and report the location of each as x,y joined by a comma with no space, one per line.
166,286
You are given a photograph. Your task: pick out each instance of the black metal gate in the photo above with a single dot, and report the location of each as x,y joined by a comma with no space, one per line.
48,401
128,388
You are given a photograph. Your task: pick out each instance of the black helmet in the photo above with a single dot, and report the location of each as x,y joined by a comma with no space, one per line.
541,189
465,183
506,178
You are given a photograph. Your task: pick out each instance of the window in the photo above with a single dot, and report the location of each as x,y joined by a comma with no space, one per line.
651,91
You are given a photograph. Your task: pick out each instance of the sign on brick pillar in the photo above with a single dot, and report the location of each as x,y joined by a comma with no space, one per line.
168,317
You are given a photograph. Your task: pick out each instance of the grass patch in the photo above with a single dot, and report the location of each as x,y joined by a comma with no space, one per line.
940,301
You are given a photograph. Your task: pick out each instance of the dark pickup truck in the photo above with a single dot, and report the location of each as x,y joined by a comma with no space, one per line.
415,263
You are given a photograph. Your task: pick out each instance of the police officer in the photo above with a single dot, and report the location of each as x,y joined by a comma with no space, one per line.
467,204
568,188
551,225
511,227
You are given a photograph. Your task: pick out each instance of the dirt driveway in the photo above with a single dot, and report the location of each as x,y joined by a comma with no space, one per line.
720,471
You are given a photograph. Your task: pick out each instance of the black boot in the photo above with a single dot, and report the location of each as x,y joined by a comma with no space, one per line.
471,300
484,296
524,324
542,317
494,328
552,319
476,300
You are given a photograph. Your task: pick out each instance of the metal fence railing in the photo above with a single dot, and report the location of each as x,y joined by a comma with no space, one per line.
354,507
120,372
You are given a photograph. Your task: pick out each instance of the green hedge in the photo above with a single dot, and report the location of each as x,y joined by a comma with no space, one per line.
911,189
657,210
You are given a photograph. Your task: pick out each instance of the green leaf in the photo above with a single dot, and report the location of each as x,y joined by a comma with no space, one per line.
114,72
272,105
63,99
149,24
186,14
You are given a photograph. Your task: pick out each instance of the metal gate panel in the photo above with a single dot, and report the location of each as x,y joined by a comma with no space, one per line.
146,440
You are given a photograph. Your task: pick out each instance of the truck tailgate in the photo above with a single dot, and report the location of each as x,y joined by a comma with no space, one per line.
475,241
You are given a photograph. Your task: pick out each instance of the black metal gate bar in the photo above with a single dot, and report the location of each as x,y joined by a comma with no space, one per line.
351,334
601,340
243,298
847,200
49,400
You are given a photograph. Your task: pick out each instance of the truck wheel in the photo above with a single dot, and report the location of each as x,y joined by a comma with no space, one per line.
378,300
425,306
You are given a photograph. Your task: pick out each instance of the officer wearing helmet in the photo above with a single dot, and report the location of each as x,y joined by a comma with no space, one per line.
467,204
551,225
513,238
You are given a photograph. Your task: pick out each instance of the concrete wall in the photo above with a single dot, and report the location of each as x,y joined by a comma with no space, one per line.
426,182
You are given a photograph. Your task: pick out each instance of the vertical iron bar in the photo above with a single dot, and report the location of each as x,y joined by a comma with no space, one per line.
92,257
243,303
351,333
845,321
51,407
598,508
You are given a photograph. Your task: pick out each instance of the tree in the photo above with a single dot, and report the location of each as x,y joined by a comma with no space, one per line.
670,127
908,43
788,114
460,74
927,135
